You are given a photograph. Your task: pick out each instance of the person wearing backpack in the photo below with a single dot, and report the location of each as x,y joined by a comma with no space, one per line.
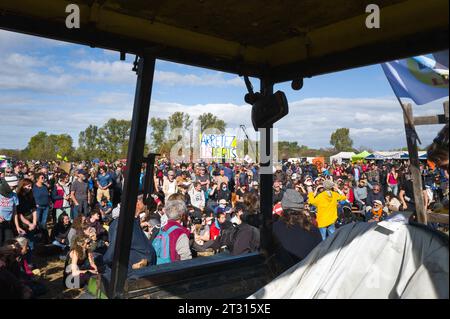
172,241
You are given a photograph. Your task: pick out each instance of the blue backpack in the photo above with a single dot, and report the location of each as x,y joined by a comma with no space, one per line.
161,244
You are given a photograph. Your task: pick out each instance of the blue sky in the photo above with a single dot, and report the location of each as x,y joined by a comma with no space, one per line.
62,88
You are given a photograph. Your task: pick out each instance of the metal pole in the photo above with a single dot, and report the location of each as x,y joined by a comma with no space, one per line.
414,164
146,68
266,178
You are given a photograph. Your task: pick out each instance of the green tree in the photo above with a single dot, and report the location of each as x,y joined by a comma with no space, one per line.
46,147
341,140
88,143
158,135
113,139
180,120
208,120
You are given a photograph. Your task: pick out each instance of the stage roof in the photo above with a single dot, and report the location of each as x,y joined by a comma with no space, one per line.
280,39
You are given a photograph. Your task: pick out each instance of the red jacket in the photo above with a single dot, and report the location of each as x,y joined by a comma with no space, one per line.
350,196
173,238
213,231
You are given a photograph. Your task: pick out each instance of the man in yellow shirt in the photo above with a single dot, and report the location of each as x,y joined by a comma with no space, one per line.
327,206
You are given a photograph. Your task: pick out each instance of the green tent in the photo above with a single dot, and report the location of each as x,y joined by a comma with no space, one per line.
360,156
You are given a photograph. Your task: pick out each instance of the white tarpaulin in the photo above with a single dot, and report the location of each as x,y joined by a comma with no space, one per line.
368,261
342,156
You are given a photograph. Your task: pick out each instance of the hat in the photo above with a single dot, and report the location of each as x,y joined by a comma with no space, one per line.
377,202
223,201
255,183
12,180
328,185
82,171
294,176
292,200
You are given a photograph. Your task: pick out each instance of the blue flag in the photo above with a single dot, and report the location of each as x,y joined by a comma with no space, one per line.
420,78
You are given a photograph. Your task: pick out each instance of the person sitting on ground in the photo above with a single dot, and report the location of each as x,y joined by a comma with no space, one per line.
375,194
201,231
198,196
80,265
105,209
60,231
295,231
94,220
76,229
216,225
392,202
377,213
142,253
11,287
178,235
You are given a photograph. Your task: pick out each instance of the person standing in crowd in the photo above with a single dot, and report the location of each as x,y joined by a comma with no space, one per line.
42,199
197,196
406,194
295,231
79,194
8,207
277,192
384,178
61,195
361,193
26,219
373,174
327,206
392,180
170,184
203,178
224,192
104,182
240,192
221,178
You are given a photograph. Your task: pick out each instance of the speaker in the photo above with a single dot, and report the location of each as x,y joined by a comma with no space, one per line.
267,110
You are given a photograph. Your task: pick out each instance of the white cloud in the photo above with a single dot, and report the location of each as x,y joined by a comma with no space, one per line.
310,125
215,79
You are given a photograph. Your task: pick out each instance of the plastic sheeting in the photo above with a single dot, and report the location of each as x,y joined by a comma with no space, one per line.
365,261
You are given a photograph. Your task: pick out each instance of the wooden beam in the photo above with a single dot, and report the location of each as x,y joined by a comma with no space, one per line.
430,120
414,165
446,110
438,218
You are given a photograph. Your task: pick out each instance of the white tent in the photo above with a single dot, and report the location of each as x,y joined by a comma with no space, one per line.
369,260
342,156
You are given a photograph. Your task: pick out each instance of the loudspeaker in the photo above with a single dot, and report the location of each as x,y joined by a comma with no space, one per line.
267,110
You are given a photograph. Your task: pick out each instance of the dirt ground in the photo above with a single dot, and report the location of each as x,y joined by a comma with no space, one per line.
51,275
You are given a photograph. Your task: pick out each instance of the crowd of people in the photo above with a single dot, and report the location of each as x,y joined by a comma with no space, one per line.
196,209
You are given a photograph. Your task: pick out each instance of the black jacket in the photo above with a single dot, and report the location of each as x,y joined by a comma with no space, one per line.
247,240
294,240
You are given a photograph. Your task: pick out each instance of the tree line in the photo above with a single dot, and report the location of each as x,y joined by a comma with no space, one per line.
110,141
